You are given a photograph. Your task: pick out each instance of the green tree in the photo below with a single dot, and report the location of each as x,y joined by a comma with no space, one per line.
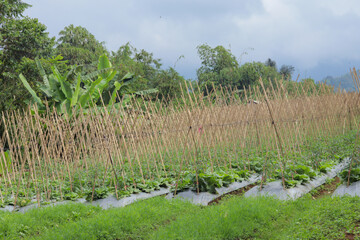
250,74
19,38
270,63
78,46
139,62
219,67
11,9
123,58
25,37
148,63
167,82
286,71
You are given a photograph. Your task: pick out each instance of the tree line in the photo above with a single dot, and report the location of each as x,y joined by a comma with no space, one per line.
25,45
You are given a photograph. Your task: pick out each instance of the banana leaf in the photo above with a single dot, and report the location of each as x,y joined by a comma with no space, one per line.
84,99
104,63
42,72
65,86
119,84
32,92
75,96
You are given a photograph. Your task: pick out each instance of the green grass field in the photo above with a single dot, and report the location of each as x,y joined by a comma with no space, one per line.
234,217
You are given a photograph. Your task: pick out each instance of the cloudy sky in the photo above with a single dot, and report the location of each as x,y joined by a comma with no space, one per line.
318,37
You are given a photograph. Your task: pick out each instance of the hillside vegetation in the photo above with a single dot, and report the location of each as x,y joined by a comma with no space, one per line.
345,82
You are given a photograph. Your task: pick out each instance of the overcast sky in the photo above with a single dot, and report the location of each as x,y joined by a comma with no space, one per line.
318,37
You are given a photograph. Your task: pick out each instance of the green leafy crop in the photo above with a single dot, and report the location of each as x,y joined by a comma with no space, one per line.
352,176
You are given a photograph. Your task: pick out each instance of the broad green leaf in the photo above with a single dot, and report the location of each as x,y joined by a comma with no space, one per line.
32,92
57,59
94,74
129,77
117,85
84,99
65,86
65,106
71,71
103,64
102,85
42,72
74,99
46,90
58,95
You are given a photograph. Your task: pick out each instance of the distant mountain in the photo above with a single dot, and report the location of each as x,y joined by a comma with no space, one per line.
346,82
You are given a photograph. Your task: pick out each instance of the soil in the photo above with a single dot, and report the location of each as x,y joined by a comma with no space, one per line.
326,189
352,236
323,190
238,192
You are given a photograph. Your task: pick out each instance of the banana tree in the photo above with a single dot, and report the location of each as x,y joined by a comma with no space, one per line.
122,88
64,95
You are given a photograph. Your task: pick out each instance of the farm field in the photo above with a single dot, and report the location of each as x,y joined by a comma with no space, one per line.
199,142
240,125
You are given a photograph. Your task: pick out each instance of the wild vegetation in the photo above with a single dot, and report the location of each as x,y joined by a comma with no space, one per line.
344,82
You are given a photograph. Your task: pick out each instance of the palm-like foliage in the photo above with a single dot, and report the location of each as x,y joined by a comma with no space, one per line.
65,95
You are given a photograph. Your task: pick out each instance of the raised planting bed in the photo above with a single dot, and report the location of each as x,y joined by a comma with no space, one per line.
210,184
352,190
199,183
204,198
277,190
85,191
104,203
351,183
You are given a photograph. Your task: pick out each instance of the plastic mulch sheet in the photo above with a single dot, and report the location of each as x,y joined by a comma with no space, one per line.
352,190
276,189
204,198
105,203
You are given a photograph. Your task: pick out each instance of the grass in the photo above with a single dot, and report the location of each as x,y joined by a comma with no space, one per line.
157,218
39,221
267,218
236,218
136,221
326,218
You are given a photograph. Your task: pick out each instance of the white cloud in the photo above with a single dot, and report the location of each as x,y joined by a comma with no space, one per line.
341,7
302,33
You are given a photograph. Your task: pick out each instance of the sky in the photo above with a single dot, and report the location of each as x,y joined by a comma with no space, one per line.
318,37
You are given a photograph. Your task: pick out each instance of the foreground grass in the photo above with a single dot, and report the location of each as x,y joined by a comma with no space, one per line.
157,218
39,221
267,218
136,221
326,218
